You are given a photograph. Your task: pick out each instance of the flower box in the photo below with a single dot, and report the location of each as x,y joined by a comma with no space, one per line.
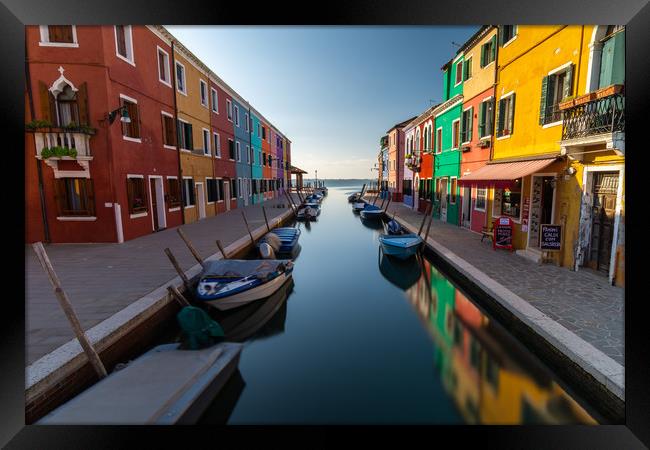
609,90
584,99
566,104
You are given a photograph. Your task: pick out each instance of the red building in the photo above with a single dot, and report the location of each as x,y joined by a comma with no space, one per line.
90,178
420,154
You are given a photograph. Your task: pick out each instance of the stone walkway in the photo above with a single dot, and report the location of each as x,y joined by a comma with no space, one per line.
582,301
102,279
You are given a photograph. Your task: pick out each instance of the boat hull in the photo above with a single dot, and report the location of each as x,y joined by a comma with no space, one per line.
250,295
372,214
400,247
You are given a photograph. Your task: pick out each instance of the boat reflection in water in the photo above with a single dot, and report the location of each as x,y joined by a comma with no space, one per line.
489,384
373,223
401,273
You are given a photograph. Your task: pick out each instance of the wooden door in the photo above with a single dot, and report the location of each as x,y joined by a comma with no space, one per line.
605,187
154,203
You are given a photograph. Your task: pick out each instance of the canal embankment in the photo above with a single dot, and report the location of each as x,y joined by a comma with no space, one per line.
119,292
569,319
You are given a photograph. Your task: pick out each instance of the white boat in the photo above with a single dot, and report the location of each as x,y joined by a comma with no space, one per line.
372,212
229,283
358,206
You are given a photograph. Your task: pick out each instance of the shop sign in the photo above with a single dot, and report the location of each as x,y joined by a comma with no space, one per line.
503,231
550,239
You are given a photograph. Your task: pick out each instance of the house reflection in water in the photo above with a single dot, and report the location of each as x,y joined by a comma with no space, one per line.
492,379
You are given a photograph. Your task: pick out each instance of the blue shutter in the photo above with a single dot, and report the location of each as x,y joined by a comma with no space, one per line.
542,101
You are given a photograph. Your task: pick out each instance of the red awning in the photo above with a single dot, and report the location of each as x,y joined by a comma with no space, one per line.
504,173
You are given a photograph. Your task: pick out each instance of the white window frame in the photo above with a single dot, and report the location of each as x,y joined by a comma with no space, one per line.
178,208
215,100
563,67
456,64
202,83
206,151
247,123
185,198
496,108
184,90
471,121
129,44
142,214
207,191
167,64
183,149
476,199
237,151
471,69
45,38
485,100
229,108
236,114
217,140
248,154
452,134
449,190
240,187
220,191
438,149
132,100
166,114
514,36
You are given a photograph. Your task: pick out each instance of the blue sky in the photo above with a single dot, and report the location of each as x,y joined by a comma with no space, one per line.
334,91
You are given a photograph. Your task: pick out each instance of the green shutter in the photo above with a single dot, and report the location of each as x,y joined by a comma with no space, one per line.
494,48
483,55
500,34
500,117
542,102
481,118
511,114
471,118
567,88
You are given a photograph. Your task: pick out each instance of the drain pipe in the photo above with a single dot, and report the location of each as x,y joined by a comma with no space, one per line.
178,150
39,169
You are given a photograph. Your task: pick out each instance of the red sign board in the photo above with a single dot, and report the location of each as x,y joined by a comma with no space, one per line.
503,229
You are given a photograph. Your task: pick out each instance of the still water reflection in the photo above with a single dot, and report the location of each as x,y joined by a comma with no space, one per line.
362,338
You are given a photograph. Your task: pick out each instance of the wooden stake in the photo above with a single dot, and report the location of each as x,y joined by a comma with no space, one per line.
426,213
266,220
426,236
247,227
175,293
180,272
290,202
224,255
187,241
61,296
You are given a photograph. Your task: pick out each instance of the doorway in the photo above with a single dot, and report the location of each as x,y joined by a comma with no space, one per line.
542,201
444,196
157,198
466,200
603,215
200,197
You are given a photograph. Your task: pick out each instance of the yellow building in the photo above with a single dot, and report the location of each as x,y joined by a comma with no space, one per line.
194,133
557,156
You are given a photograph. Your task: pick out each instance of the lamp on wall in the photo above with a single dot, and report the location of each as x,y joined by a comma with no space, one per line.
123,111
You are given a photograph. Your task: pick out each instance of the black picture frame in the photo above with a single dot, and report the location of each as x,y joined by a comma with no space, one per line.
635,14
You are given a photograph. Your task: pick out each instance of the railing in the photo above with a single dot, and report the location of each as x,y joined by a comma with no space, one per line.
66,139
604,115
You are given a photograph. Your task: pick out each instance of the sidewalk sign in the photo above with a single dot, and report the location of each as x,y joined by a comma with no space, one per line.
503,232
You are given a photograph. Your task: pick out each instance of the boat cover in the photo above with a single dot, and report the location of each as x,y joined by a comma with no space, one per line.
239,268
199,330
273,240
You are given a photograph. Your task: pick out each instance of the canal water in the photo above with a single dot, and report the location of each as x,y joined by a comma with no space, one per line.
358,338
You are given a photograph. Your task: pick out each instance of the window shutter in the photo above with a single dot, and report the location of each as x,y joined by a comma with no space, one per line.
471,119
129,194
48,106
190,135
511,114
90,196
494,49
500,118
481,120
483,52
500,33
542,102
82,102
567,89
135,119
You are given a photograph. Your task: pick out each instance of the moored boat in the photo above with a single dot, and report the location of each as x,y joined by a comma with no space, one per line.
401,246
283,240
372,212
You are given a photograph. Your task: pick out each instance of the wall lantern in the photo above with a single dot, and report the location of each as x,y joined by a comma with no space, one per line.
123,111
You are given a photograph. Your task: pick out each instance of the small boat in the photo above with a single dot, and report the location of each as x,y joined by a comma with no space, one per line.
402,246
372,212
282,240
316,198
393,227
309,211
358,206
229,283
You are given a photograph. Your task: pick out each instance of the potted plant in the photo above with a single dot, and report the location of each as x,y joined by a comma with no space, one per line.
38,125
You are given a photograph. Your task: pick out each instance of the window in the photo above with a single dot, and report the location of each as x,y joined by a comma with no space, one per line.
248,154
75,196
137,195
67,107
236,115
215,100
454,189
169,133
258,130
233,189
455,133
511,200
488,52
459,72
507,33
437,191
213,190
124,43
439,140
180,78
220,190
612,64
185,135
555,87
246,121
481,199
467,69
59,34
240,188
131,129
264,133
188,192
163,67
506,114
466,126
203,89
217,145
238,150
231,149
206,142
229,108
485,118
173,196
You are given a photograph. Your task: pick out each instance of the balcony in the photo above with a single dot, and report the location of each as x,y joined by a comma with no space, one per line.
413,163
595,121
61,144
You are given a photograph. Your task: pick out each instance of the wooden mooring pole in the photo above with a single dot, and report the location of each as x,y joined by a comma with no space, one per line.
247,227
172,258
61,296
176,294
193,250
426,213
266,220
224,255
426,236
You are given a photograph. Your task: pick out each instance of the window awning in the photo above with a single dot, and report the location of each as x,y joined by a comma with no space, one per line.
504,173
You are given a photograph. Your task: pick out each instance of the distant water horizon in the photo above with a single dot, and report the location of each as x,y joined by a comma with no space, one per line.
343,182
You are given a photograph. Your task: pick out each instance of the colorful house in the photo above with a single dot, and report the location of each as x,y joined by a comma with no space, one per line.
397,184
266,152
477,122
419,157
256,146
447,143
238,111
383,167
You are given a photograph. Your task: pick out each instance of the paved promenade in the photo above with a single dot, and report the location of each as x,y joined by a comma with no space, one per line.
583,302
102,279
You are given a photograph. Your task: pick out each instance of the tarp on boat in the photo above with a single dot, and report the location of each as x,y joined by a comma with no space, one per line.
199,330
239,268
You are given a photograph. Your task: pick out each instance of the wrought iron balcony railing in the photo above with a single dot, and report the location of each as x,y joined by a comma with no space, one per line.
604,115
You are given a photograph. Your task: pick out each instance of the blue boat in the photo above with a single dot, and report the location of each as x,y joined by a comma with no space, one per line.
401,246
393,227
371,212
288,237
